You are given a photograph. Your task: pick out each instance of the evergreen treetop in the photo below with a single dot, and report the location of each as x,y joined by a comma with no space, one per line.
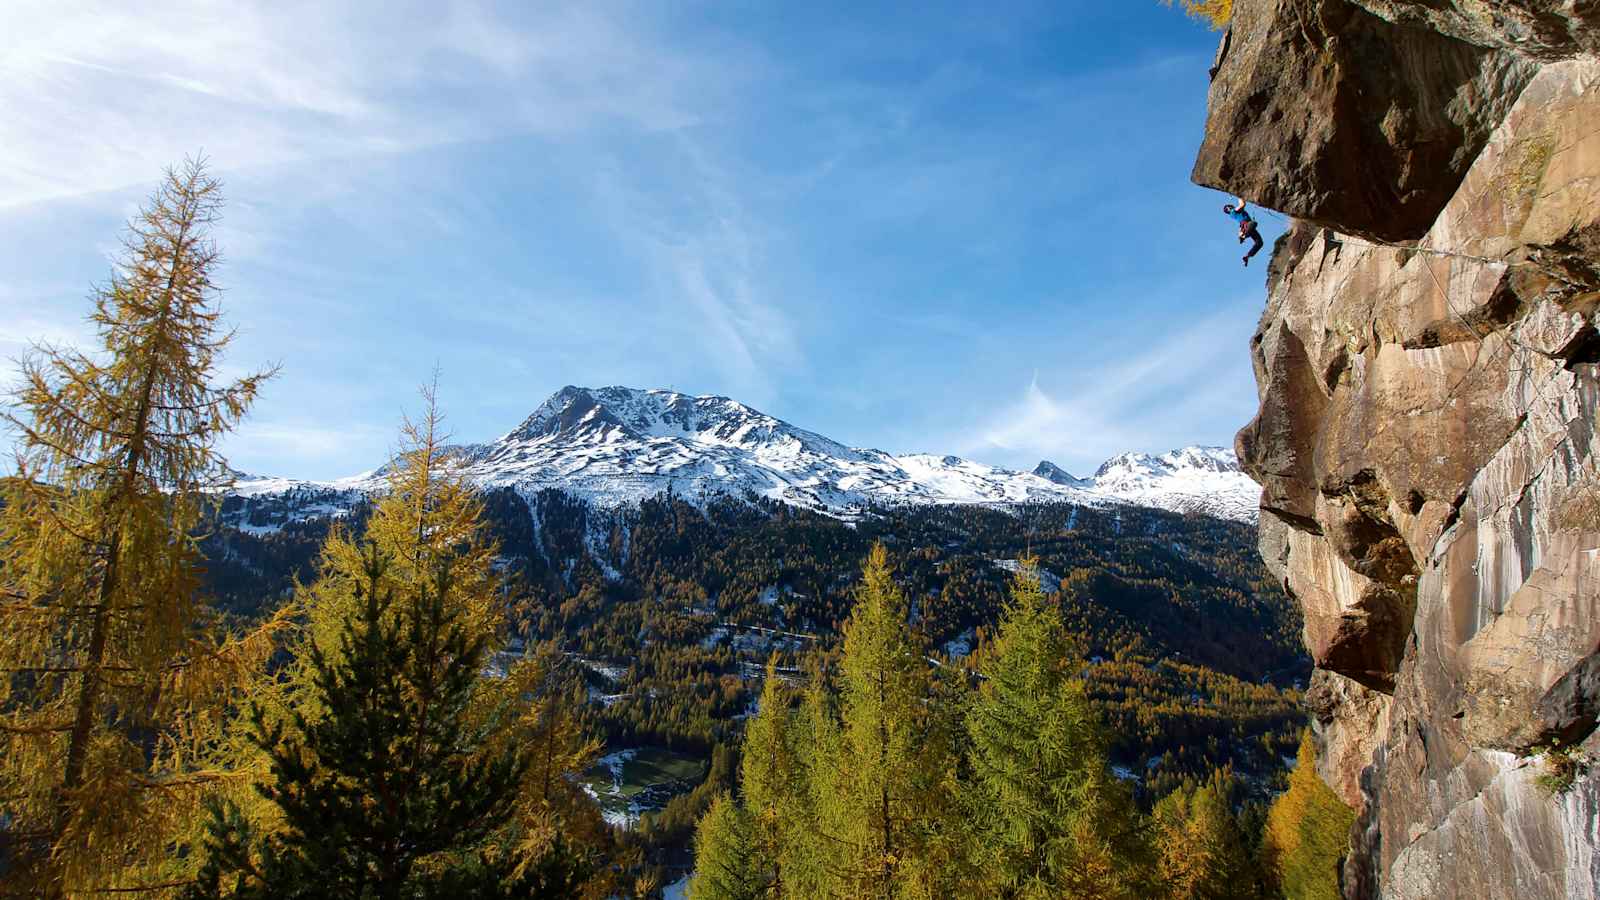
1047,820
770,780
388,793
725,855
1202,852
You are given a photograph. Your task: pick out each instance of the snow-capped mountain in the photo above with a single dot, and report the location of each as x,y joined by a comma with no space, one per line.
616,445
1191,479
1049,471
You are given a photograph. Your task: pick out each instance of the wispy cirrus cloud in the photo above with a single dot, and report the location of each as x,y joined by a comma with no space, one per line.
344,134
706,252
1183,389
267,84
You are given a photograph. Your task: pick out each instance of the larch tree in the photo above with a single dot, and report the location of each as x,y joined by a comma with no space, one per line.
555,827
1216,13
1046,817
110,685
885,800
1307,833
809,855
427,514
1201,852
770,783
724,854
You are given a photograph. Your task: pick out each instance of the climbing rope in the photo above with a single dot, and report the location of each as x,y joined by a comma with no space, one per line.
1511,339
1342,239
1408,248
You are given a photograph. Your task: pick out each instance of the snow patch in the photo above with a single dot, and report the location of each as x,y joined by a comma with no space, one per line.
960,645
1048,581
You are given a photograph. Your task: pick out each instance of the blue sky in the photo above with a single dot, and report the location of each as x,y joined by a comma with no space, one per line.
952,228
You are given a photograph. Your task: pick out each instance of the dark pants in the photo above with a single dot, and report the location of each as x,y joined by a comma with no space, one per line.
1249,231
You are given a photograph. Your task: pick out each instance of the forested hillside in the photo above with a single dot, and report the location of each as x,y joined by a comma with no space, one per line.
1192,656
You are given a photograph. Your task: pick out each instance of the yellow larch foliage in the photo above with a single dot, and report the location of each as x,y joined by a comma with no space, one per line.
112,690
1215,12
1307,832
427,514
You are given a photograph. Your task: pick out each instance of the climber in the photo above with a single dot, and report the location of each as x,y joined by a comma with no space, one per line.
1247,227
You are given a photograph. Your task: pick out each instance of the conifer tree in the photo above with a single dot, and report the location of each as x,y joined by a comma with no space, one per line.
555,826
1201,849
725,855
386,794
427,514
109,684
809,853
884,800
1216,13
1047,818
1307,832
430,520
770,782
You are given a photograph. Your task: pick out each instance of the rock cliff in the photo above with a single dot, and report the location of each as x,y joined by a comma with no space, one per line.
1427,366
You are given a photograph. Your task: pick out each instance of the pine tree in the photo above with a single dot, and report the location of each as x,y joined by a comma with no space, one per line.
429,520
109,684
1307,832
724,854
1047,818
387,794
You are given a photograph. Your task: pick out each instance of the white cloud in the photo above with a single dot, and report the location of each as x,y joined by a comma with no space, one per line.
719,269
1169,395
98,96
707,249
316,115
291,447
1038,421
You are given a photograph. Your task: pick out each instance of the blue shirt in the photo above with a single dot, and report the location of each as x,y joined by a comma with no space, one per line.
1240,216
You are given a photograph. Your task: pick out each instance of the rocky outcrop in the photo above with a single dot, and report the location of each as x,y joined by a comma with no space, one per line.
1540,29
1426,436
1327,112
1349,723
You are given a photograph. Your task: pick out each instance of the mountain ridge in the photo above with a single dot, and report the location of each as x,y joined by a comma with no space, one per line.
616,445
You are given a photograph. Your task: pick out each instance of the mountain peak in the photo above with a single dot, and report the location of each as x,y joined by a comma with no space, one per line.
618,413
1049,471
1195,458
617,445
567,410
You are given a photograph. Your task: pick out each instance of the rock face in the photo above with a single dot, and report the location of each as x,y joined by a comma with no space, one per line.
1540,29
1327,112
1426,436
